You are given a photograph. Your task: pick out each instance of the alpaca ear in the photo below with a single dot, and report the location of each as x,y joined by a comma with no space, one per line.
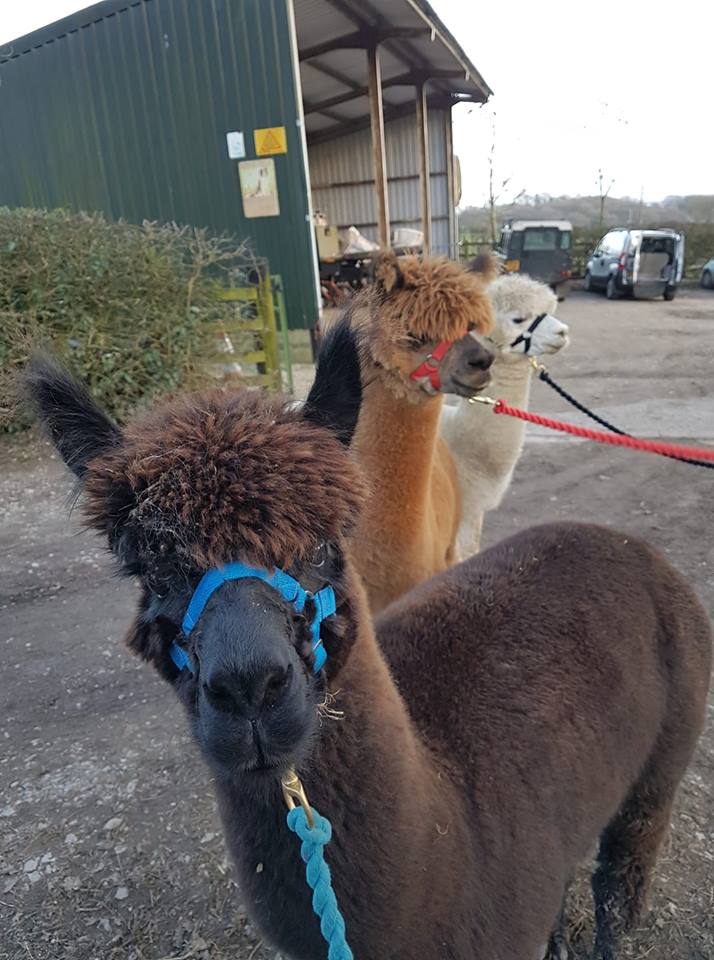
387,273
487,266
78,427
335,398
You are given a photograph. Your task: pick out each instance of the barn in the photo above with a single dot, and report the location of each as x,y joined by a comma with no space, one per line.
244,116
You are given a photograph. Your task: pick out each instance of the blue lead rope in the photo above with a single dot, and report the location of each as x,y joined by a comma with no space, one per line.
324,902
314,839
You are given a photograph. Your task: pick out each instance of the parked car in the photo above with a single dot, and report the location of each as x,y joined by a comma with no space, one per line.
640,263
706,279
540,248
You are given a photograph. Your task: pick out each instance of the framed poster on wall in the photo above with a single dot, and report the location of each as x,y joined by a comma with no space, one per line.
259,188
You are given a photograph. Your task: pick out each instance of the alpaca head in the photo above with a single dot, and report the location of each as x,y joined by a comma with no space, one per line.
218,478
417,305
525,323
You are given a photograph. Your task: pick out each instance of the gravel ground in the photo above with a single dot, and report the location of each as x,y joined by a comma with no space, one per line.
109,842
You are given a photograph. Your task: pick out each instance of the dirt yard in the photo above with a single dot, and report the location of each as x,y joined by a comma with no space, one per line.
109,843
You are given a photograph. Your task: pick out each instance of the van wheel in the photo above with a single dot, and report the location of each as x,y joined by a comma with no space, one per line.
611,290
669,293
588,282
707,280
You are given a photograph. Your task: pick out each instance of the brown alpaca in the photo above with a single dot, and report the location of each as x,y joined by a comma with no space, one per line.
407,531
507,713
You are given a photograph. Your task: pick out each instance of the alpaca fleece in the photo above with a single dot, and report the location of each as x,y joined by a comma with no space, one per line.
431,299
515,291
221,476
487,448
407,531
504,715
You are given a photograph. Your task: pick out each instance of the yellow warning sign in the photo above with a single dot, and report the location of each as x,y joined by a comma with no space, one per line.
270,140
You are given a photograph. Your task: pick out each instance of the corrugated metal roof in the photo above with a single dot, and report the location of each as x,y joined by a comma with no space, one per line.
333,36
414,45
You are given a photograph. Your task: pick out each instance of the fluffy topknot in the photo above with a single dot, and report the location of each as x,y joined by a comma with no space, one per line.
431,299
519,292
214,477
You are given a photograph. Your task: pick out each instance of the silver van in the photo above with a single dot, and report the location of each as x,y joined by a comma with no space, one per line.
639,263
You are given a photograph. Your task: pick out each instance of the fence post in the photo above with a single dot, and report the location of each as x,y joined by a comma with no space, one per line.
270,333
284,333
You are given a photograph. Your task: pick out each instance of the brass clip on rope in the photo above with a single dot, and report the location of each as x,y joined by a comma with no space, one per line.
294,794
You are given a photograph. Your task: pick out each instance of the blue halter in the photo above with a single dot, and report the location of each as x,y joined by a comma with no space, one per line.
288,588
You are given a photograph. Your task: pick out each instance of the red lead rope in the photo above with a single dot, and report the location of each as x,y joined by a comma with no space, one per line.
649,446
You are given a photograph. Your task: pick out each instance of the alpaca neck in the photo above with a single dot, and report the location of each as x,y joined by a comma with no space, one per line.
511,379
395,441
374,779
486,447
486,444
406,532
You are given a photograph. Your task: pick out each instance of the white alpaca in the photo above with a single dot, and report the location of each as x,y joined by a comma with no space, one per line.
486,447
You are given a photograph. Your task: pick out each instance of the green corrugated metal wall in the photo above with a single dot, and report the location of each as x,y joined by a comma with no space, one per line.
124,108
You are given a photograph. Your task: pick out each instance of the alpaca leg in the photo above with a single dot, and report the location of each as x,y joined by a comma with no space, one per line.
628,851
557,947
477,530
469,537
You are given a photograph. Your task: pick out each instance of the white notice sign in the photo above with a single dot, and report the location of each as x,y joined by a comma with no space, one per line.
236,145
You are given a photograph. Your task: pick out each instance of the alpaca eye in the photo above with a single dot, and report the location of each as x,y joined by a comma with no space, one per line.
519,319
159,588
319,555
416,343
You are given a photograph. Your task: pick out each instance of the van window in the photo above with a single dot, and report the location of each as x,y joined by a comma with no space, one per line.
565,239
614,242
657,244
543,238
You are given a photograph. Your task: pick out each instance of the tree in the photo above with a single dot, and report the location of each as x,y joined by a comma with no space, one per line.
496,192
603,193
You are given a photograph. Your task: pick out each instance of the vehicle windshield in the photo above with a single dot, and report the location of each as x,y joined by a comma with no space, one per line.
545,239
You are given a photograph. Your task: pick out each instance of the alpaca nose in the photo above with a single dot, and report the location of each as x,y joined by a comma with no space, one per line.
247,693
481,360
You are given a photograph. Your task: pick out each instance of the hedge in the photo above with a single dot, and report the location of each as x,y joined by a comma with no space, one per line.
125,306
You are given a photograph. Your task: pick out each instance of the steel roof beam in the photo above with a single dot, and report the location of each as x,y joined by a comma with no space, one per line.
411,79
335,75
390,113
362,40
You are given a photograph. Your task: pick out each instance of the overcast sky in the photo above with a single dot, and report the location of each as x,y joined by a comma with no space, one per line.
577,86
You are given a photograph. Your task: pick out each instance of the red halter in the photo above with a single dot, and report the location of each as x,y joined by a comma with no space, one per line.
427,373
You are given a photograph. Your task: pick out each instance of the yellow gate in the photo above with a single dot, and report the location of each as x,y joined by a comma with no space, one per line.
252,343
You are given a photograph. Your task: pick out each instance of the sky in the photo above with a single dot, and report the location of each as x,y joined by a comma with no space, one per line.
625,88
578,88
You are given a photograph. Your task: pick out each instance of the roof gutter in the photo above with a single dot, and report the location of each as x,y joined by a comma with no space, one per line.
429,16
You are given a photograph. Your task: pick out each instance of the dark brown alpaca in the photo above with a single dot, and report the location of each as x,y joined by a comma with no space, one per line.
507,713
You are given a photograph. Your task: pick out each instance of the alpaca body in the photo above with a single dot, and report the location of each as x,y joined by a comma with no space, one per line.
407,531
505,714
548,713
486,447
